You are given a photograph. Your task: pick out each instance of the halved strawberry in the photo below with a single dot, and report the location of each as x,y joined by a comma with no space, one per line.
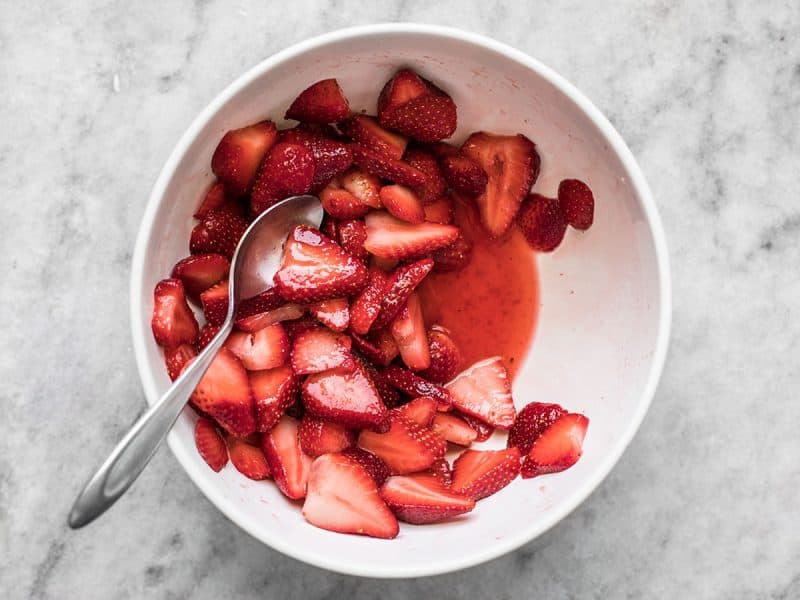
346,397
453,428
414,385
264,349
215,303
481,473
425,119
249,460
423,498
366,306
343,497
484,391
558,448
224,394
269,299
454,257
282,314
439,211
512,165
376,468
321,102
210,444
177,357
334,313
543,222
239,154
274,391
578,202
287,462
320,349
173,322
288,170
408,331
217,233
389,237
531,422
463,174
378,347
362,185
420,410
483,429
315,268
387,167
341,204
216,200
406,447
404,85
318,436
331,156
426,162
445,356
365,130
442,470
389,395
200,271
403,203
207,333
399,286
352,234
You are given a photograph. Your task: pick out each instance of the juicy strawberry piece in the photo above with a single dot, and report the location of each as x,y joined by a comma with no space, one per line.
319,437
284,313
173,322
379,347
414,385
463,174
405,85
363,186
322,102
210,444
425,119
200,271
398,289
224,394
445,356
422,498
531,422
484,430
389,395
318,350
376,468
512,165
269,299
454,429
217,233
481,473
215,303
288,170
420,410
366,306
483,390
334,313
315,268
578,202
207,333
408,331
366,131
216,200
287,462
543,222
341,204
389,237
239,154
264,349
387,167
249,460
352,235
346,397
177,357
442,470
558,448
406,447
274,391
402,203
425,162
454,257
343,497
331,156
439,211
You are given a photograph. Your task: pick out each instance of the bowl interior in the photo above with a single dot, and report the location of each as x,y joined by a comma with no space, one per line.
599,338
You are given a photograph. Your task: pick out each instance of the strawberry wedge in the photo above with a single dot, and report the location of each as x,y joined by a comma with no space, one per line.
484,391
322,102
318,436
224,394
274,391
345,396
173,322
481,473
423,498
239,154
421,410
408,331
287,462
389,237
406,447
267,348
320,349
558,448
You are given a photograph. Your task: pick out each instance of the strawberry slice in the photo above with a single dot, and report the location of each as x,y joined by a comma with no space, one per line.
578,202
177,357
346,397
483,390
287,312
408,330
343,497
319,349
454,257
315,268
331,156
406,447
439,211
173,322
402,203
215,303
404,85
341,204
207,333
426,162
389,395
274,391
266,348
200,271
287,462
414,385
531,423
453,429
366,131
363,186
484,430
321,102
334,313
422,498
445,357
481,473
224,394
366,306
352,234
558,448
425,119
269,299
249,460
463,174
387,167
378,347
512,165
288,170
239,154
399,287
210,444
318,436
442,470
217,233
543,222
216,200
389,237
376,468
420,410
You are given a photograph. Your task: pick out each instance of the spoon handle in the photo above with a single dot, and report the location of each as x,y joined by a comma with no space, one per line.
135,450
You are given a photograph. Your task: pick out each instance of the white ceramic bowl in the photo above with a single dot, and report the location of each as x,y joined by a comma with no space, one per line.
605,309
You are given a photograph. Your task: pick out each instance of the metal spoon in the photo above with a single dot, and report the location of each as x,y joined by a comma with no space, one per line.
255,262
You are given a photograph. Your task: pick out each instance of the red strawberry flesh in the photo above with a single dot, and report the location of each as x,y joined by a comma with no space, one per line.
531,422
239,154
344,396
389,237
173,322
481,473
321,102
423,498
287,462
578,202
406,447
274,391
483,390
558,448
320,349
210,444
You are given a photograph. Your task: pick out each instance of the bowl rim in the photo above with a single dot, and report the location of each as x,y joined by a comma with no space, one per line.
642,192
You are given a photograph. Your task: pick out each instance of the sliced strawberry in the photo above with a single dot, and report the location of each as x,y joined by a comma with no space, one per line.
454,429
389,237
378,347
406,447
269,299
408,331
287,312
224,394
543,222
288,170
217,233
363,186
331,156
414,385
177,357
426,162
463,174
298,326
376,468
512,165
481,473
352,234
531,422
346,397
420,410
341,204
366,131
334,313
425,119
366,306
207,333
315,268
403,203
320,349
215,303
239,154
445,357
558,448
484,430
387,167
439,211
264,349
274,391
399,287
404,85
173,322
319,437
249,460
210,444
422,498
216,200
200,271
578,202
442,470
287,462
321,102
483,390
389,395
343,497
454,257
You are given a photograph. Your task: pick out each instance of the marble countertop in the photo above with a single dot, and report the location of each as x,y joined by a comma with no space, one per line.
707,94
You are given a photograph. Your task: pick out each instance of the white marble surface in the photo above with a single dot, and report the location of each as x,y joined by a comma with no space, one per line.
704,502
